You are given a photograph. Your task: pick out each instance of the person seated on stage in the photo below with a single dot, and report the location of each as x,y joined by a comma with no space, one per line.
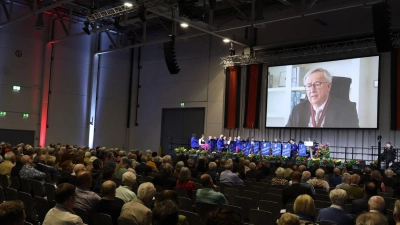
346,180
290,193
289,219
294,148
220,143
335,213
254,173
336,179
359,206
376,204
371,219
319,181
377,179
304,208
388,180
208,193
353,190
194,143
227,177
279,180
138,210
12,213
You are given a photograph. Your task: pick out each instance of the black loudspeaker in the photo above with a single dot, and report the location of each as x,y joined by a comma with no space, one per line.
381,17
170,57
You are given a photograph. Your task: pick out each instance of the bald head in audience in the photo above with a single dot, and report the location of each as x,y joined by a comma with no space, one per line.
336,171
26,160
108,189
206,181
84,179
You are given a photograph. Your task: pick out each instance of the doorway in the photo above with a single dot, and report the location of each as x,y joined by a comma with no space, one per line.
178,125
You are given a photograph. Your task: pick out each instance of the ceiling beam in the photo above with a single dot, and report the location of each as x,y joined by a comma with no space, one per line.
28,15
158,10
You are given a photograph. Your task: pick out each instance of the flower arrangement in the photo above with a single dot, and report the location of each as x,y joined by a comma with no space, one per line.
374,163
192,151
180,150
337,162
228,154
202,152
322,151
352,162
301,159
240,154
213,153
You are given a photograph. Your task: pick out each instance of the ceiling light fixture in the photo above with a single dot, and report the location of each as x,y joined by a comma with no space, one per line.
226,40
128,4
184,25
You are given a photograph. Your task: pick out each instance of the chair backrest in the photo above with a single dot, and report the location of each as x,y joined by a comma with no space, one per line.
194,180
42,207
185,204
236,209
125,222
259,189
82,214
260,217
247,183
4,181
149,179
37,188
11,194
246,204
232,193
204,208
2,198
321,204
192,218
289,208
321,191
50,192
253,195
28,202
275,191
25,185
181,192
274,198
198,186
101,219
341,87
320,197
241,188
270,206
194,193
15,184
325,223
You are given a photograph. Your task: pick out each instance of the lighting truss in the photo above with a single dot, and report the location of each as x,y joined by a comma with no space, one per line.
122,10
351,48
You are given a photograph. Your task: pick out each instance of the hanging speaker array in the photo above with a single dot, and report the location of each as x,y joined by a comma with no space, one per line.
382,24
170,57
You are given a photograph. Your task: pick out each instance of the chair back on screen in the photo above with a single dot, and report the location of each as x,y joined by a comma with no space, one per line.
341,88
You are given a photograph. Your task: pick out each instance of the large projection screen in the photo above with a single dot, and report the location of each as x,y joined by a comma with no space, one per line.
350,100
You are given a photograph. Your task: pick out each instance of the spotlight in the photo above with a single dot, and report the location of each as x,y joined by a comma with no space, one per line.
226,40
39,24
116,23
86,27
128,4
184,25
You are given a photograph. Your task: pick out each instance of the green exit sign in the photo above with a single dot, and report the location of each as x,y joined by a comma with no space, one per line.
182,104
25,115
2,113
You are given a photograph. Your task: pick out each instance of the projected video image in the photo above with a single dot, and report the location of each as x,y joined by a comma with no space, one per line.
333,94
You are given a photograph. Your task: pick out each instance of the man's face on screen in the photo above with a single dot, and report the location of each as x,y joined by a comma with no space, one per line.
317,95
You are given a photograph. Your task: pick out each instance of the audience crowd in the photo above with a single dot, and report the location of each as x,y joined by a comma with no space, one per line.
150,189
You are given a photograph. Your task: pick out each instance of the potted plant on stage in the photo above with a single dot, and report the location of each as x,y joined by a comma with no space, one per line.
180,150
374,164
352,162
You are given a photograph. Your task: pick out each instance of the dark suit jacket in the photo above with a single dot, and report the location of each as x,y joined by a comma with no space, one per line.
359,206
254,174
290,193
264,170
143,168
340,114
